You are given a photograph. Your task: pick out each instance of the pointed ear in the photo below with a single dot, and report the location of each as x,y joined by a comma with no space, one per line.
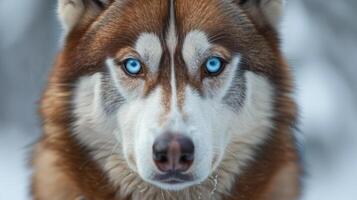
264,12
73,12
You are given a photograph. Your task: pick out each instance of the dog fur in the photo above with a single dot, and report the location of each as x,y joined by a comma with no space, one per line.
91,109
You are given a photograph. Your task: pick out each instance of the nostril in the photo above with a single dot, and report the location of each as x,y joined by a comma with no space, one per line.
183,158
162,162
186,158
160,157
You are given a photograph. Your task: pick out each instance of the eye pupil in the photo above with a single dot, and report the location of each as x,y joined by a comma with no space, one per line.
214,65
132,66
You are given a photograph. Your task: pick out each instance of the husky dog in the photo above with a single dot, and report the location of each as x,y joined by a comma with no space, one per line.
168,99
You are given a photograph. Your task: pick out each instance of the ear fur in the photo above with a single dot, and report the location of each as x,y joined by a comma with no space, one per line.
264,11
72,12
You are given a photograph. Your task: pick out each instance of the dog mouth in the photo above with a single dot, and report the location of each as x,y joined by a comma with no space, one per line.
173,178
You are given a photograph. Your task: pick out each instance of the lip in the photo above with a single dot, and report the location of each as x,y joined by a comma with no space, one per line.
173,181
173,178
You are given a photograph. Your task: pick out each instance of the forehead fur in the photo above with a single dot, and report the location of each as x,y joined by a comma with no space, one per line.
122,22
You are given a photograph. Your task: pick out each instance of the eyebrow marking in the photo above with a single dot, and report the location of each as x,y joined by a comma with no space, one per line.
149,48
194,49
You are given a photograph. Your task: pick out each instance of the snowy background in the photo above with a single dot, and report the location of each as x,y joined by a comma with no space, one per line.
320,41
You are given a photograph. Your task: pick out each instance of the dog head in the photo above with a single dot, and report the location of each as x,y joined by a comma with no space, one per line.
173,84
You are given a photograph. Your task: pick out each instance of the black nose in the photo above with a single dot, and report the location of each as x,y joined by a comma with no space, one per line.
173,153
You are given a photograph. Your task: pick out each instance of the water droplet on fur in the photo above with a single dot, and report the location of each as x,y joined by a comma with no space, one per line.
142,189
199,196
215,183
130,173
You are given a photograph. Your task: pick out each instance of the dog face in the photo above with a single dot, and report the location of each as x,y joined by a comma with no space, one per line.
172,83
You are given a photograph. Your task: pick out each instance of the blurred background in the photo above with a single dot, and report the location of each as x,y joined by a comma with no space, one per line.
319,39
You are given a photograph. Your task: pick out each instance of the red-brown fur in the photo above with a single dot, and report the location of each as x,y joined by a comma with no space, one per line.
63,168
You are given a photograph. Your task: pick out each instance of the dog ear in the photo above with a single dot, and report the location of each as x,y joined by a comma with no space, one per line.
73,12
263,12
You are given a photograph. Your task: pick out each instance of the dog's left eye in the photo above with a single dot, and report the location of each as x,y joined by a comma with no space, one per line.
214,66
132,66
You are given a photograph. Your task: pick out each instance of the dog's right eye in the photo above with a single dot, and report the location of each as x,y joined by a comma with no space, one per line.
214,66
132,66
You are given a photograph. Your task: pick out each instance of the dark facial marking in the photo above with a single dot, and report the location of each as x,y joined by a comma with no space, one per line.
111,99
236,93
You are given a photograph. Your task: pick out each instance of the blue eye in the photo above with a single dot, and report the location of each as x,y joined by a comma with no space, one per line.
214,66
132,66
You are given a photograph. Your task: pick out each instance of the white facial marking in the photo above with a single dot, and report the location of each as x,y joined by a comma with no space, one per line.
194,49
138,123
93,127
149,47
171,39
171,42
257,109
